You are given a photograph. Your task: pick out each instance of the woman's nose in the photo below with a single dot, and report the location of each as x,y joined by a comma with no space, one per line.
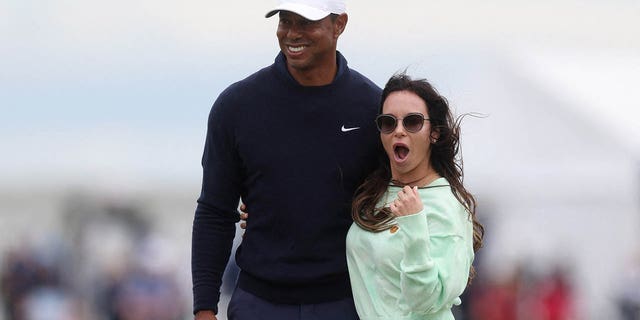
399,130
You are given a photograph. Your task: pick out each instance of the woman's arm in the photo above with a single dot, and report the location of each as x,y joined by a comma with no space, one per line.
437,256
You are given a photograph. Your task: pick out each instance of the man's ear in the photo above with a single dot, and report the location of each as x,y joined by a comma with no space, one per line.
341,24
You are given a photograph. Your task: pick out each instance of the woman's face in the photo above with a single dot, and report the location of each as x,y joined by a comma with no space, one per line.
409,152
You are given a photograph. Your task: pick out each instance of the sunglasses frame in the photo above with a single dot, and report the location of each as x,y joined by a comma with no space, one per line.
396,121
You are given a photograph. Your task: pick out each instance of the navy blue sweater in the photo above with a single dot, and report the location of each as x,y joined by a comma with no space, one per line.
295,156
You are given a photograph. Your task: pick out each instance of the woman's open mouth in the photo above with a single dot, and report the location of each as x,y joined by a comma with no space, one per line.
400,151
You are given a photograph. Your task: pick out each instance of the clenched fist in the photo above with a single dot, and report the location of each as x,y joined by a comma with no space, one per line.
407,202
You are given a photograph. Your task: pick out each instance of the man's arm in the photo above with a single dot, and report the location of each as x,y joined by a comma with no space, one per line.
212,240
216,213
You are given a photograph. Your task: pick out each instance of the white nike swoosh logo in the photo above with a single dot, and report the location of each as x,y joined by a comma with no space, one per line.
343,129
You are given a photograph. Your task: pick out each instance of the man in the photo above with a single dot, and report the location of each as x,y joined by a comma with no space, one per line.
293,140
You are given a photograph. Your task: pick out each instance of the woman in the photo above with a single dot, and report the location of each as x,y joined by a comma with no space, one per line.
415,233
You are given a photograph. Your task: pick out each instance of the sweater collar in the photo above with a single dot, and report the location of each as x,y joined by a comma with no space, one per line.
280,64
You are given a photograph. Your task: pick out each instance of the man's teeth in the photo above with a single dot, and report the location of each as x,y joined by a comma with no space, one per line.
296,49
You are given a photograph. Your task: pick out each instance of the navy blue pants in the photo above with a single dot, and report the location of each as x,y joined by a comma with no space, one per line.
246,306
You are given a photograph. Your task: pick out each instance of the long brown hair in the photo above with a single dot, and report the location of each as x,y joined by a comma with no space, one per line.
445,159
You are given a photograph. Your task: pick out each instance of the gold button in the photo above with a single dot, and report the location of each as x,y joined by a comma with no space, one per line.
394,229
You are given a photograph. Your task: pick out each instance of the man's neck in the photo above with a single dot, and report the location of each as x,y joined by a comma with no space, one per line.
319,76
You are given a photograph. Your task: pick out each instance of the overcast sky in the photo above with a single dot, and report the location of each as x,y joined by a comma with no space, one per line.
120,90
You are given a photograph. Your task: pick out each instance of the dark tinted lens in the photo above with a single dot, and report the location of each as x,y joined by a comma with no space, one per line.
386,123
413,122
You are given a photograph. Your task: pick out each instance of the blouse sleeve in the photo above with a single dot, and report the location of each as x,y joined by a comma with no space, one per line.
437,257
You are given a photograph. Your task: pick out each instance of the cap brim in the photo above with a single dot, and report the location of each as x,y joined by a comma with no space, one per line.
307,12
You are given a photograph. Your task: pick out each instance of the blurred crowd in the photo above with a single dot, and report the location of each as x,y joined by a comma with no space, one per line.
523,295
106,265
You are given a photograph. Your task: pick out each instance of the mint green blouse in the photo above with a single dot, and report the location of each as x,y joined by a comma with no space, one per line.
417,270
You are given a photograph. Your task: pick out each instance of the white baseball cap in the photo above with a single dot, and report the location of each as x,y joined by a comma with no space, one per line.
310,9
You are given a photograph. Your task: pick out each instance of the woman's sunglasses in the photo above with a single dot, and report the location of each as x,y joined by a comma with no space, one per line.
412,122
